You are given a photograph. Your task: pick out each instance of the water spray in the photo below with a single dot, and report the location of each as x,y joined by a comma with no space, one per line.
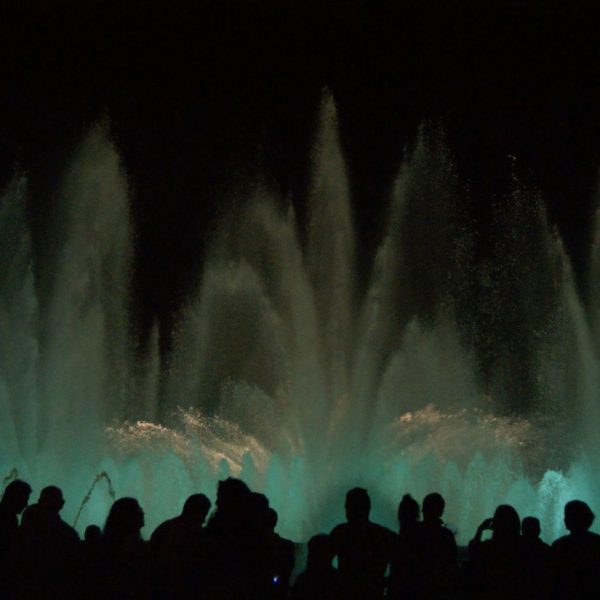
86,498
14,474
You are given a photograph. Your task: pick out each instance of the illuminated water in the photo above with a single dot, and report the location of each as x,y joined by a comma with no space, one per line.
288,374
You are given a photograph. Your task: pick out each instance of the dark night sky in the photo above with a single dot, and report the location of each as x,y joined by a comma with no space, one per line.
196,91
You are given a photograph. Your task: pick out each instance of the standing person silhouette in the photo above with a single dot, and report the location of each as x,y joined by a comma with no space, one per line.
537,557
363,549
575,557
438,556
406,552
497,565
47,548
13,502
124,558
178,548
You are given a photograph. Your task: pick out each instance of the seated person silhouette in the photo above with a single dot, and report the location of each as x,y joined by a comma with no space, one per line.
575,557
497,565
320,580
405,554
363,549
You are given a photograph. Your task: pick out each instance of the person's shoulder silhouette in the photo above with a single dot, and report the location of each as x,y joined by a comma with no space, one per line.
188,523
320,580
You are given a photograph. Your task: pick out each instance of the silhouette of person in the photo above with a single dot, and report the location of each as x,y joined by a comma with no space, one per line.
229,516
191,519
576,556
178,546
44,516
498,564
282,556
47,548
123,571
405,553
363,549
259,548
438,553
320,580
13,502
87,565
230,534
92,534
536,555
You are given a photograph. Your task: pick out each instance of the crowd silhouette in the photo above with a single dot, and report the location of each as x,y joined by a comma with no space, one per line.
236,553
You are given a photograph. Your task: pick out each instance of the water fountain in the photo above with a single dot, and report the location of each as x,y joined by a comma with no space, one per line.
285,373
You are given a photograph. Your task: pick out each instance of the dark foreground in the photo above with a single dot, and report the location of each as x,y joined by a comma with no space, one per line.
237,553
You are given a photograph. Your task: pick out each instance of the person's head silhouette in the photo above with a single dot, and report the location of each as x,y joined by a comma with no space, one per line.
51,499
408,510
92,533
358,505
530,528
125,519
578,516
231,493
506,523
196,508
433,507
16,496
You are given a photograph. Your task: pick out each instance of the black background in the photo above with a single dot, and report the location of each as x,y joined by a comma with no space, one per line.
202,94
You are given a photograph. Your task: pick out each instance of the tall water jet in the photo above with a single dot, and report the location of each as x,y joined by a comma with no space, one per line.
285,373
64,368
